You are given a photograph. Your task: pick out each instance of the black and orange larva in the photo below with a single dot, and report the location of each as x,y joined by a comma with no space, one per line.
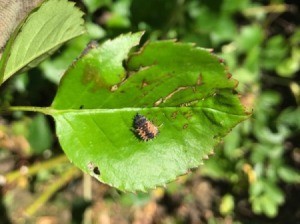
144,128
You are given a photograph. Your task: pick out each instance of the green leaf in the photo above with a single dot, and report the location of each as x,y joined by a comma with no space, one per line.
274,53
290,117
265,197
289,175
182,89
250,38
269,207
54,23
291,65
227,204
39,135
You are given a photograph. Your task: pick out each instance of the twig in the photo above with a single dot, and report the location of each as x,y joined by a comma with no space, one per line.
87,187
14,175
44,110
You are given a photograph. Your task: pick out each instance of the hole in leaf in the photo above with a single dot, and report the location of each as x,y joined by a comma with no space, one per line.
93,168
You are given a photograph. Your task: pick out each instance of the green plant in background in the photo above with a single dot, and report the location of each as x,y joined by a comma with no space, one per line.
254,157
256,149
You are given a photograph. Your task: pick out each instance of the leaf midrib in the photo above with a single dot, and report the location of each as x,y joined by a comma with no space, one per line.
53,111
135,109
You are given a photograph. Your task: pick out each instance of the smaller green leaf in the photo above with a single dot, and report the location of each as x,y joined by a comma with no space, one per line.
290,65
265,197
275,51
257,206
289,175
269,207
256,189
54,23
290,118
232,143
274,192
119,15
251,37
227,204
220,34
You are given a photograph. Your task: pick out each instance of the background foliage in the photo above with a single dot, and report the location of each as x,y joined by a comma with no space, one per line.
254,176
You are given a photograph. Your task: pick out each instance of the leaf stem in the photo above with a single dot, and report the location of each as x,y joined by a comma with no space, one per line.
44,110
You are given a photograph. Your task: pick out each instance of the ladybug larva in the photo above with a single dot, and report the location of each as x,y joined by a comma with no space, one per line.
144,128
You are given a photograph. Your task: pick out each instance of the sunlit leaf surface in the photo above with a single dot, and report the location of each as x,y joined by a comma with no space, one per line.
183,90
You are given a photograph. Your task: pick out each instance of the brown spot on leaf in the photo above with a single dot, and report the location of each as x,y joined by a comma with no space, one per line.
163,100
221,60
174,114
236,83
158,102
144,83
114,88
188,115
185,126
92,76
199,80
248,100
189,103
217,91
